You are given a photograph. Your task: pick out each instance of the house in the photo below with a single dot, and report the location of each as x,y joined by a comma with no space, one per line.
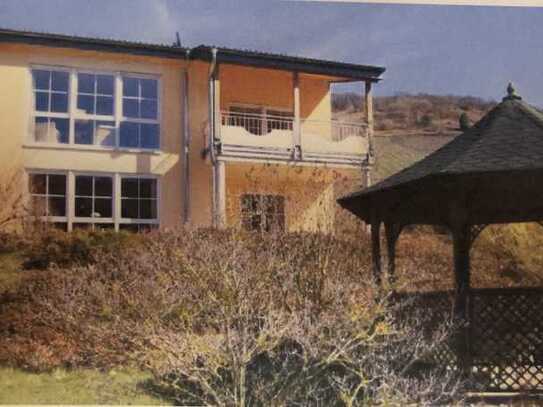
126,135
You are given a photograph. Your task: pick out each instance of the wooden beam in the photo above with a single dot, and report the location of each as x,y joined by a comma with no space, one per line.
376,251
392,232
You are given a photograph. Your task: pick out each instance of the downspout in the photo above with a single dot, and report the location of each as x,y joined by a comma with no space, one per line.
211,140
187,140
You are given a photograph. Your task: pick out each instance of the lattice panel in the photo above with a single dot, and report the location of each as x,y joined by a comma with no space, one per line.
506,338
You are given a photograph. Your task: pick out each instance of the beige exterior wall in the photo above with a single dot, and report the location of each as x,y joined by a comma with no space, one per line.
16,106
309,193
244,85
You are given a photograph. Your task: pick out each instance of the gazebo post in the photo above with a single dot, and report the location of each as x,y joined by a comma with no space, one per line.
461,232
392,232
376,249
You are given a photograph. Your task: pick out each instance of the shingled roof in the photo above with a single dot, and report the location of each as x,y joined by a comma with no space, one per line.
507,140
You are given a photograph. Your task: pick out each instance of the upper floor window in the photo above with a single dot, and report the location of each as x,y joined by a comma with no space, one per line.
101,109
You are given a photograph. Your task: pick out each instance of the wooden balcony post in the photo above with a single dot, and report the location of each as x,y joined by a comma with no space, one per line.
392,232
368,113
297,122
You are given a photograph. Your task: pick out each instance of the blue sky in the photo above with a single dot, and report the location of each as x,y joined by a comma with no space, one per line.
432,49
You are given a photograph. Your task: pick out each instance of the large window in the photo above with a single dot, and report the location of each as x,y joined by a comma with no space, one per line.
101,109
139,202
48,197
51,95
140,126
264,213
94,202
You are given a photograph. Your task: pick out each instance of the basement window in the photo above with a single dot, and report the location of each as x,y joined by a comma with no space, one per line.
265,213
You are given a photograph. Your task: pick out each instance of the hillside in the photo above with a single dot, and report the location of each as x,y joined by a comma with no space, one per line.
409,127
420,113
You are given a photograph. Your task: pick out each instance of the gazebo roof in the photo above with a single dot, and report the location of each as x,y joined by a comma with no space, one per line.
506,141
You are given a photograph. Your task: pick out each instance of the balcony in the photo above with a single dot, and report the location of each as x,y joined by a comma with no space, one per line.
274,137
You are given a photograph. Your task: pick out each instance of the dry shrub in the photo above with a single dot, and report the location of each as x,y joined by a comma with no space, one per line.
227,318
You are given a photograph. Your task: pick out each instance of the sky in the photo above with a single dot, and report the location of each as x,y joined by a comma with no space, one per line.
457,50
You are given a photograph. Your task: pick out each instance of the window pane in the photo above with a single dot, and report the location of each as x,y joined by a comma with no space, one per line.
129,208
148,109
130,87
129,134
149,135
147,209
42,101
84,132
129,188
104,105
85,103
57,184
83,185
104,226
148,88
37,183
129,227
147,188
60,81
105,133
85,83
41,129
103,186
104,84
130,107
83,207
103,208
57,206
82,226
59,102
59,130
41,79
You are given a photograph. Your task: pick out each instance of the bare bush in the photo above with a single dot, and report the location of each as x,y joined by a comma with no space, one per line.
227,318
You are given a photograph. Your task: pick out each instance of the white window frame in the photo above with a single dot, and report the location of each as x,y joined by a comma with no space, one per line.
131,221
72,115
124,118
52,219
116,220
92,219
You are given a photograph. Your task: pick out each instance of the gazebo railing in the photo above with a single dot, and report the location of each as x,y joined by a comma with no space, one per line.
504,335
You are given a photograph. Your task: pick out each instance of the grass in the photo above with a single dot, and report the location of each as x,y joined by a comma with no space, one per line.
75,387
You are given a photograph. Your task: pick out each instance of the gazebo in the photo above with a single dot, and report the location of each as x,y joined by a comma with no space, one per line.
490,174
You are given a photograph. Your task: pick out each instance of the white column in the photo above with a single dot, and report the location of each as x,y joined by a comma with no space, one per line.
297,122
116,200
70,195
368,112
219,174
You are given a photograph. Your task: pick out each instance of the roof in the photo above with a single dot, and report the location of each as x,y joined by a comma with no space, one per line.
201,52
508,138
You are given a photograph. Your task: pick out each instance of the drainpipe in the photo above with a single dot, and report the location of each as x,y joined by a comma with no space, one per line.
219,189
187,140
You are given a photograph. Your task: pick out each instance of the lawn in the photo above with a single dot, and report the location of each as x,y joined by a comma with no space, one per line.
75,387
64,386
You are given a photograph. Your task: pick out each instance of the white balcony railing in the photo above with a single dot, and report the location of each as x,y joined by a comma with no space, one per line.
248,135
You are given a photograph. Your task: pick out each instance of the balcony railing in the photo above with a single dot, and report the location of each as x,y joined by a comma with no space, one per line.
273,137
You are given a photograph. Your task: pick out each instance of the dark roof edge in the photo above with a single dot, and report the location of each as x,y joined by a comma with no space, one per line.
301,64
93,44
202,52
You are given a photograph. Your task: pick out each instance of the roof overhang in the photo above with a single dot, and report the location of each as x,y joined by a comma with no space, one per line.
343,71
92,44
